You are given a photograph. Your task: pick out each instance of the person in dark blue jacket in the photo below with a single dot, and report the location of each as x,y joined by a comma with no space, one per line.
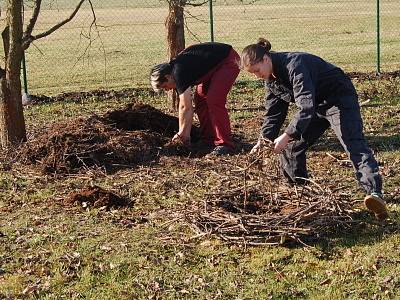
325,97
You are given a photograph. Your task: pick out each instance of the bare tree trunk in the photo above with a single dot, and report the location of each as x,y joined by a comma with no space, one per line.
12,123
175,28
175,25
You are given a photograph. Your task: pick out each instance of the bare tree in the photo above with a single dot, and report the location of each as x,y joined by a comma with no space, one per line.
15,42
175,24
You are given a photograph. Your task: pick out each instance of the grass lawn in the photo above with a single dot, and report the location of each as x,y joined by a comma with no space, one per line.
49,250
131,37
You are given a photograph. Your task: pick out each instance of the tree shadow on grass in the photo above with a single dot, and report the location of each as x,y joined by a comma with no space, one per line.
366,233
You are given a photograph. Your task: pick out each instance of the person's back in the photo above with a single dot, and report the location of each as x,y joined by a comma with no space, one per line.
328,80
196,61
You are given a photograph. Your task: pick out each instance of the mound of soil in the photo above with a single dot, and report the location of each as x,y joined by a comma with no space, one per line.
374,75
143,117
176,148
96,197
68,147
82,96
138,116
121,138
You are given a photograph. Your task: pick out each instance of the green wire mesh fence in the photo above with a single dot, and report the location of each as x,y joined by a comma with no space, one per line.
129,36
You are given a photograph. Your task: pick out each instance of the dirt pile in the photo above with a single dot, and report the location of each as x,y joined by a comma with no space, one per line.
373,75
96,197
83,96
176,148
121,138
143,117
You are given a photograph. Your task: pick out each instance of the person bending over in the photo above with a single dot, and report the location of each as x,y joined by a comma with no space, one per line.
212,68
325,97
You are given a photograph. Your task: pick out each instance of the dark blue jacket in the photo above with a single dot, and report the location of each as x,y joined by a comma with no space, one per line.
313,84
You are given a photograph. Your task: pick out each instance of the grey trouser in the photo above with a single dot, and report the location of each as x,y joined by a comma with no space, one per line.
346,122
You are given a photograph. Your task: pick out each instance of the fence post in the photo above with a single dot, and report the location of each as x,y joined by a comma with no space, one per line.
211,20
25,95
24,73
378,39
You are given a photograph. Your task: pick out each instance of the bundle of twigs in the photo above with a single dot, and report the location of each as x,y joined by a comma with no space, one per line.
261,209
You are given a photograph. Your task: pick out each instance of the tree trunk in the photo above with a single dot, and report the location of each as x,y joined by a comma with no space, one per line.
175,28
175,25
12,123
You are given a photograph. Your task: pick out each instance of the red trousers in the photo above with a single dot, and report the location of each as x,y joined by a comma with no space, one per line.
210,100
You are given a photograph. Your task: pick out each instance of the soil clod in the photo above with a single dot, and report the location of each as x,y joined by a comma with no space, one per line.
96,197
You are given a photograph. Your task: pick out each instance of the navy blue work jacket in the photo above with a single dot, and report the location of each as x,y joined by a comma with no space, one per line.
310,82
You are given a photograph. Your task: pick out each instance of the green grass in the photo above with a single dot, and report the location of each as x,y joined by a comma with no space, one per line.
132,37
52,251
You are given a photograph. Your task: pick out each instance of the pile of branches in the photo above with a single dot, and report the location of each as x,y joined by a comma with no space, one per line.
258,208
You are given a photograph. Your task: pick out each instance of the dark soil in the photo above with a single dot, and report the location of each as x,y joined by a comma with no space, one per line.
82,96
255,203
374,75
71,146
122,138
177,148
96,197
143,117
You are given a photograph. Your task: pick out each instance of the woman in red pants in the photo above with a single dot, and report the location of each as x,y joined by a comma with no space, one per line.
213,69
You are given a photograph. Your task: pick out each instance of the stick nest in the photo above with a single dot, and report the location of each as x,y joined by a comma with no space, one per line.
254,207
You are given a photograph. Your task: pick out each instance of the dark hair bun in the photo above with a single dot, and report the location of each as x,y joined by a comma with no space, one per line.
264,43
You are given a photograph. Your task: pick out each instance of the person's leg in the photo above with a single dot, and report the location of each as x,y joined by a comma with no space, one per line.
348,127
220,84
201,109
293,158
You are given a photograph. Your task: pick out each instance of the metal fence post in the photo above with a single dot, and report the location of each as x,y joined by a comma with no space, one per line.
25,95
378,39
24,73
211,20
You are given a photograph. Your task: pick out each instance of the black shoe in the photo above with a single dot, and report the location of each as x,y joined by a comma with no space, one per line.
203,146
221,150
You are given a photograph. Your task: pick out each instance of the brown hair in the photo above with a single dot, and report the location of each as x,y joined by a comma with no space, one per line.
254,53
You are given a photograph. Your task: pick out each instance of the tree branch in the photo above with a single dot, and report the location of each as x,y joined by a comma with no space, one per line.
6,41
197,4
32,21
29,39
188,29
183,3
88,36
